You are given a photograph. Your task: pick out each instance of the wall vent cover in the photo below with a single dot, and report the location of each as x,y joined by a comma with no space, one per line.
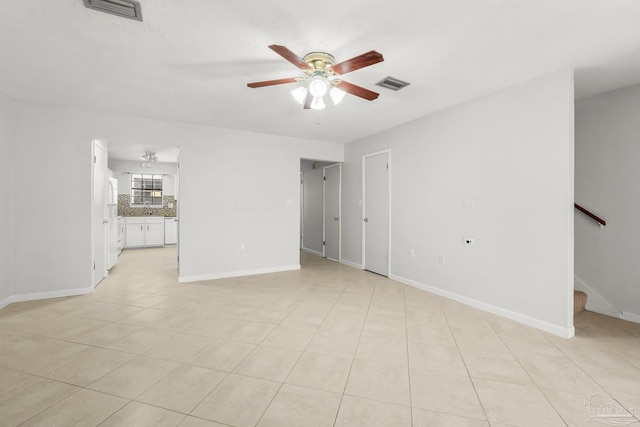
392,83
124,8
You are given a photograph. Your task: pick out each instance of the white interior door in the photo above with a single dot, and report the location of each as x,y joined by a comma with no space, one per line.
375,207
332,211
99,212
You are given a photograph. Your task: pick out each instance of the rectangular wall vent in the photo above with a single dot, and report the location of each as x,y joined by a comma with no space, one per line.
392,83
124,8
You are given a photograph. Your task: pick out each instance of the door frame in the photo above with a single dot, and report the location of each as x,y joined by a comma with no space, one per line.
104,145
324,209
386,151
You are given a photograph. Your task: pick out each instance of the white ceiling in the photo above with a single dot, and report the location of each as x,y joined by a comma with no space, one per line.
190,60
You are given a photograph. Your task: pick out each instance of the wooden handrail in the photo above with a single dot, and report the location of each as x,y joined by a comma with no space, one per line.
594,217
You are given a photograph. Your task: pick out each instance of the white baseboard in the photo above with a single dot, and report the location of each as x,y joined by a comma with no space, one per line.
311,251
351,264
631,317
521,318
187,279
595,302
44,295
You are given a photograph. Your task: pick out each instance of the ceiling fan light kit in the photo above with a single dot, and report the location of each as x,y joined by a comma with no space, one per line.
322,76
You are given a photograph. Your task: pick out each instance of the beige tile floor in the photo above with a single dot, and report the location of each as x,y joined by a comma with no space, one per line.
324,346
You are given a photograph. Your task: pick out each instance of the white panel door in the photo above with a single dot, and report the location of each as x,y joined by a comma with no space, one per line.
332,212
376,213
99,212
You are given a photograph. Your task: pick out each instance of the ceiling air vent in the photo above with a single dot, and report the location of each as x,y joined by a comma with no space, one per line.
392,83
124,8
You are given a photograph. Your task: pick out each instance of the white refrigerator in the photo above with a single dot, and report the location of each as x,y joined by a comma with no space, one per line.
112,225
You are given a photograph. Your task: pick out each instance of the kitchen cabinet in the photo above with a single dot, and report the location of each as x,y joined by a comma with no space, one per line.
170,231
144,231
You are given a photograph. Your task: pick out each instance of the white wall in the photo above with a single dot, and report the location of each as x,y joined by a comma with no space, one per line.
124,180
510,152
607,178
7,120
236,187
313,208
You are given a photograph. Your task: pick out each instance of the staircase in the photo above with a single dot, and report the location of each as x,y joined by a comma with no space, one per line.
579,302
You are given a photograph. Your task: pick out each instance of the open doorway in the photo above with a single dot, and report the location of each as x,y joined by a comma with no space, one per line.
141,186
320,208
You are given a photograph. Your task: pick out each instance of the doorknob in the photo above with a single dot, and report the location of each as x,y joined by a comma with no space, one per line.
105,221
336,218
366,220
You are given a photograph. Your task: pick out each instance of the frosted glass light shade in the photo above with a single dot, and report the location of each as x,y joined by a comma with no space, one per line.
299,94
337,95
317,103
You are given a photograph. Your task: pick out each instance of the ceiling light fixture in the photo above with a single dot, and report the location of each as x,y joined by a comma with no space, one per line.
322,76
148,158
317,87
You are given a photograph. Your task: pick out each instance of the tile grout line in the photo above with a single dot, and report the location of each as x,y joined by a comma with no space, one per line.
475,390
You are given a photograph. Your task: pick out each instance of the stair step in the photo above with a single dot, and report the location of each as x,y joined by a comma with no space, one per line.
579,302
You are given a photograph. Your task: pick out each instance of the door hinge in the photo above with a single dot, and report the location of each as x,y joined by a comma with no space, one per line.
387,166
94,159
324,243
324,178
94,265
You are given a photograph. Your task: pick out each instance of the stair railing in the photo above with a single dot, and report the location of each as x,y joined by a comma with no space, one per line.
601,222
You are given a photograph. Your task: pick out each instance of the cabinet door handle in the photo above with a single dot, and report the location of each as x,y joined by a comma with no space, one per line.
140,228
147,228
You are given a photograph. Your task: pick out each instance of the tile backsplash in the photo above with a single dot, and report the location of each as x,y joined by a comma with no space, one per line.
125,208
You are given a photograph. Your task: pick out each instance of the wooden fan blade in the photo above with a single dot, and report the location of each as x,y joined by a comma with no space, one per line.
358,62
308,100
358,91
289,56
273,82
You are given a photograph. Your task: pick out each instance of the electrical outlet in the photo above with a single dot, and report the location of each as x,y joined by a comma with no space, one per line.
242,247
412,253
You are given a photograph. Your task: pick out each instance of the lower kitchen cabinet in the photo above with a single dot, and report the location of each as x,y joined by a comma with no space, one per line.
144,231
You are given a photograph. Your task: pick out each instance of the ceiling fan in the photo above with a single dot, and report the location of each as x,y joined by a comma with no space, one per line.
322,76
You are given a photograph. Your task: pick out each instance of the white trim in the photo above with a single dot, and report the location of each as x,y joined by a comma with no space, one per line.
311,251
595,302
631,317
104,145
324,208
44,295
351,264
521,318
301,242
386,151
253,272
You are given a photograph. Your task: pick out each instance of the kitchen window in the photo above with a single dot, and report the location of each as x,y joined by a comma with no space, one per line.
146,189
